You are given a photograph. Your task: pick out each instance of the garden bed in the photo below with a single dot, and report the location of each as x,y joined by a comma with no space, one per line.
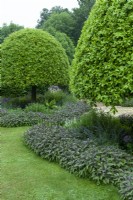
25,176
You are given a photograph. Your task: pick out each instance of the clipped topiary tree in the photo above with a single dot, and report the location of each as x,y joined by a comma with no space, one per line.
32,58
102,70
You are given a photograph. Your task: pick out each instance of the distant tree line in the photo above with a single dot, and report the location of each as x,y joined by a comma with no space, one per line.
63,24
61,19
6,30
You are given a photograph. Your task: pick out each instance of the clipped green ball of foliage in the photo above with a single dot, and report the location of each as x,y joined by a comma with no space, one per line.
32,58
102,69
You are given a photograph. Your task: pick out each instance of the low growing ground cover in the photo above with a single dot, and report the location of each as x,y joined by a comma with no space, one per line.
83,156
88,143
16,118
25,176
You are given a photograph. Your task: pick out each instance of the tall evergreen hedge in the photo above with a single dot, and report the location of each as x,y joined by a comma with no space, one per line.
102,69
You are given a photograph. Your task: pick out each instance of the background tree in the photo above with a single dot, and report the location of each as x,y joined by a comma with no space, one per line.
102,69
65,41
62,22
70,23
58,9
6,30
80,15
45,13
31,58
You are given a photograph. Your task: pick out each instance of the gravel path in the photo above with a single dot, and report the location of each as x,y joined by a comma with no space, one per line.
121,110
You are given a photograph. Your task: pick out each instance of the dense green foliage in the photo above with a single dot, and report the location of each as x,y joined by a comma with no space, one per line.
84,158
20,118
55,96
105,129
45,97
6,30
65,41
38,107
16,102
31,115
102,67
67,44
41,60
69,112
62,22
45,14
80,15
127,102
77,15
126,187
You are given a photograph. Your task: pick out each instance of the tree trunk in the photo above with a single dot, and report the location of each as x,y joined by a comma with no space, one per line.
33,94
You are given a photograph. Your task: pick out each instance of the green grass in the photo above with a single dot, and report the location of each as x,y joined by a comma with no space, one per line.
26,176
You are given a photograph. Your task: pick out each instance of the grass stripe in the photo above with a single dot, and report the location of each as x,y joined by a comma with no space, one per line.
26,176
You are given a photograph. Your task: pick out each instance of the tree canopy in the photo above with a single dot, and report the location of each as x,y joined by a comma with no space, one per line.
102,69
62,22
45,14
65,41
31,58
80,15
6,30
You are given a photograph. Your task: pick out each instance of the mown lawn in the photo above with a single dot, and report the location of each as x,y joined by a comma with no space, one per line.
26,176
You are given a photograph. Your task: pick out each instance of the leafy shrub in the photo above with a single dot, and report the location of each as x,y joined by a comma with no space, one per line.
5,102
104,127
127,102
3,112
21,118
68,112
13,92
15,102
40,98
51,105
37,107
127,120
69,98
57,96
83,157
126,186
51,139
61,97
126,137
